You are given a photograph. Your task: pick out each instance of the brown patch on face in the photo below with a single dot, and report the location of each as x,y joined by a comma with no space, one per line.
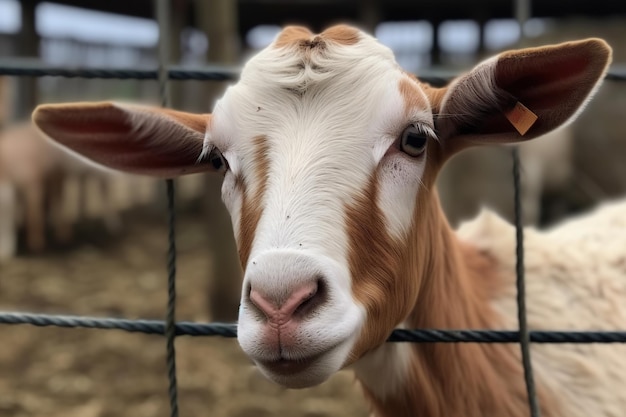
292,35
444,124
252,206
435,96
377,270
341,34
303,38
412,95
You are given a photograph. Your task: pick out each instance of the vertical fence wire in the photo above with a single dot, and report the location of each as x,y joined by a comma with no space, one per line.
162,12
170,318
524,337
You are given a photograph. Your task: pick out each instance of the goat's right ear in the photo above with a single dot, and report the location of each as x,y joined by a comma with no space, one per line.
132,138
519,95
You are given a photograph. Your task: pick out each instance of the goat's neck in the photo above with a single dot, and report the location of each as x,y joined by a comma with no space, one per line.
471,380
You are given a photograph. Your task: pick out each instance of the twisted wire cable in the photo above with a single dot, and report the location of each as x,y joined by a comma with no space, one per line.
162,11
170,320
524,338
229,330
206,73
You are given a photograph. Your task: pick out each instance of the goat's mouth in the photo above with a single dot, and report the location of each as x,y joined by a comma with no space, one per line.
287,367
303,371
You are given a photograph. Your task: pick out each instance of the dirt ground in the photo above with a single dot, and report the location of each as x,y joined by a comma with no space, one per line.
50,372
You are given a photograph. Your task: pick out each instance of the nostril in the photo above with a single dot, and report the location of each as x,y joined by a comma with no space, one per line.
299,302
314,299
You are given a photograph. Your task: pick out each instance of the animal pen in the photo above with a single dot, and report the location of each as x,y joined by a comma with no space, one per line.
171,329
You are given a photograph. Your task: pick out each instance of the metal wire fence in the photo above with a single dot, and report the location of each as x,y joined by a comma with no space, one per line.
171,329
229,330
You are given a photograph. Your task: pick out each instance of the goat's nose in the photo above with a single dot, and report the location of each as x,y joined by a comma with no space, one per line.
298,302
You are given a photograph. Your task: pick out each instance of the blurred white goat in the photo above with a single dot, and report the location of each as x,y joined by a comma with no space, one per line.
482,176
37,176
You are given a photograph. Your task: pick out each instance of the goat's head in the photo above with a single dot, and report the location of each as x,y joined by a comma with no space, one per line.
329,153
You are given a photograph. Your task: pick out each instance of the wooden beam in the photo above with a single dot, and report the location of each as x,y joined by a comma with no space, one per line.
27,46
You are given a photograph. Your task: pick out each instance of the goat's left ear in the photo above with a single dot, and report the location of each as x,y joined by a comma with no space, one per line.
498,100
127,137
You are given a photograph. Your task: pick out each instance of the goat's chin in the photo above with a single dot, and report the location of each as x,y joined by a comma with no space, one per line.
306,372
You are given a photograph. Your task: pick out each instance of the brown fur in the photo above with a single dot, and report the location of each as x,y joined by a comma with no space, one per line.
64,114
112,128
251,206
435,96
305,39
197,122
341,34
292,35
412,95
571,73
375,276
471,380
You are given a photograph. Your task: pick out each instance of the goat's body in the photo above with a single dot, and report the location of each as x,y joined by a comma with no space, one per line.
575,280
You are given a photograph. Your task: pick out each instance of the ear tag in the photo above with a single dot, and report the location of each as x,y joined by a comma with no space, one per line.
521,118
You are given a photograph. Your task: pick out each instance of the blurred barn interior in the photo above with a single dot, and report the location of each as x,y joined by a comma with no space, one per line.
74,239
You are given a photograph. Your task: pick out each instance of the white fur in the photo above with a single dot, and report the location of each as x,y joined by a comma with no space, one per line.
400,177
278,270
383,371
575,280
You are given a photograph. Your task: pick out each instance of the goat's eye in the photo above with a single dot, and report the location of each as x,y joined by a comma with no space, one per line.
217,161
413,141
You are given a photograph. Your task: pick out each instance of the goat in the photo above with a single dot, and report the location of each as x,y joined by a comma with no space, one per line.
329,153
35,172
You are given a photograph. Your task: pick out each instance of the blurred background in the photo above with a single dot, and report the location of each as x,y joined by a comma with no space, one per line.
78,241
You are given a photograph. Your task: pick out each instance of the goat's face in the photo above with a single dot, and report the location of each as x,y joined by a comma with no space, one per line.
326,146
329,155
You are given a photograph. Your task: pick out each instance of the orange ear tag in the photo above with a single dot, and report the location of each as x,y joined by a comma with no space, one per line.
521,118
